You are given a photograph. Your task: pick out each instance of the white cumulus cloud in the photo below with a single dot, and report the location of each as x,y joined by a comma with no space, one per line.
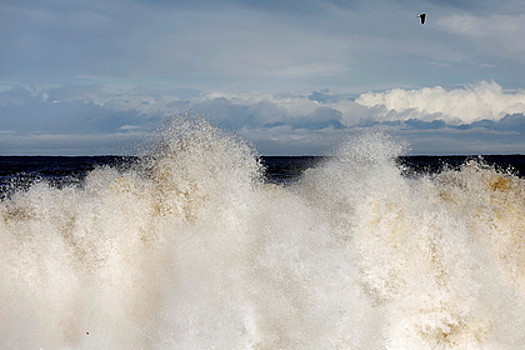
484,100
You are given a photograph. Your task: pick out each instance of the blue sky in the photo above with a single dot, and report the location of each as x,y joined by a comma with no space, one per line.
293,77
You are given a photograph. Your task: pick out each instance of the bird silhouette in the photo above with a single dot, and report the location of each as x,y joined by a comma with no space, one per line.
422,16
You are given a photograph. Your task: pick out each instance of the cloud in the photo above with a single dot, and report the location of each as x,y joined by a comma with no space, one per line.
63,119
118,143
67,120
58,37
238,41
286,74
514,123
281,7
321,118
485,27
245,45
511,124
463,4
485,100
496,34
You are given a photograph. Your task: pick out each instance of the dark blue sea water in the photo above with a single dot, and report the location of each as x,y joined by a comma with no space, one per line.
19,172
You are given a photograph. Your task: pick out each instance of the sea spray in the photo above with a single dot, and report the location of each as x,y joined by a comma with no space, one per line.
191,249
439,255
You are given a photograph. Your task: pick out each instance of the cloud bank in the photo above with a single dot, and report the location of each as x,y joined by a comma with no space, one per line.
96,119
485,100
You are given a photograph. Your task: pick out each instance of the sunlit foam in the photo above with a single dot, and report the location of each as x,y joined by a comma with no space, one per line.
191,249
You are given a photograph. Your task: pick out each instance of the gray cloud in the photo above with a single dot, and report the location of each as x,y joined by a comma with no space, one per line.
513,124
321,118
62,119
67,111
271,6
288,75
324,96
71,145
462,4
251,45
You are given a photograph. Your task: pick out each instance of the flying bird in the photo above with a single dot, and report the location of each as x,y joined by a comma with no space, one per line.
422,16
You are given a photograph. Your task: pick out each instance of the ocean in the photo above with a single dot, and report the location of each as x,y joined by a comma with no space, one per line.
203,244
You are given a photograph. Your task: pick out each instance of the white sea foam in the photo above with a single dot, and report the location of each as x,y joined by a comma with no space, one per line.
192,250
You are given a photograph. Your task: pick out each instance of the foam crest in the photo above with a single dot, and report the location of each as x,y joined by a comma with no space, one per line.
190,249
195,160
440,256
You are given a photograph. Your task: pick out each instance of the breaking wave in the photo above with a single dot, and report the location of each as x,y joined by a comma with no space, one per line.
191,249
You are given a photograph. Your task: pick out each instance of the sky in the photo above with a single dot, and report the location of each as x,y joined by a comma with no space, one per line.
291,77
